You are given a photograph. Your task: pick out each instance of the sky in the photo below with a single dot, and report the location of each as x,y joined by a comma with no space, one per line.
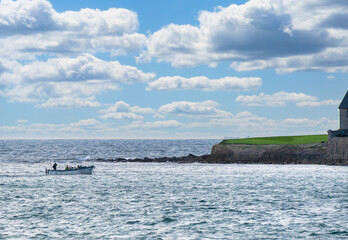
133,69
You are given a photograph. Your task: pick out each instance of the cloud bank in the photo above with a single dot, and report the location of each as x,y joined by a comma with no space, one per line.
30,28
194,109
62,79
280,99
259,34
122,110
205,84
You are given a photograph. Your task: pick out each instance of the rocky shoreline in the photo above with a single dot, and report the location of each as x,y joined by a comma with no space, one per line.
183,159
315,153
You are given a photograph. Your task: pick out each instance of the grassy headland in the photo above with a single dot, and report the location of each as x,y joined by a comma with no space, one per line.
281,140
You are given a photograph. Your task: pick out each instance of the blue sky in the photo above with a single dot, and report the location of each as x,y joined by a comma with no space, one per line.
171,69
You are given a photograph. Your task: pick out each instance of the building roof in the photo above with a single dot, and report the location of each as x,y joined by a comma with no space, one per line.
344,103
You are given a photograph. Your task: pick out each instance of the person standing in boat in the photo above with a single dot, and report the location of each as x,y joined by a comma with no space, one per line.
54,166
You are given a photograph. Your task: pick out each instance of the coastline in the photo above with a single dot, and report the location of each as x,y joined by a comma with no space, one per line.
315,153
182,159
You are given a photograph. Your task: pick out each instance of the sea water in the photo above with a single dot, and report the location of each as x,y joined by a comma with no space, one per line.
163,200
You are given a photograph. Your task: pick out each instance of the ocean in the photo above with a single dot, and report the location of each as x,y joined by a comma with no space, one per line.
163,200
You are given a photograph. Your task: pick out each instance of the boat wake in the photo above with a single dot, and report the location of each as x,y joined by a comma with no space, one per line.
85,158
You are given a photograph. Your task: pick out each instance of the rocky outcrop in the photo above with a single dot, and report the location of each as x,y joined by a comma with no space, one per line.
316,153
333,152
337,150
184,159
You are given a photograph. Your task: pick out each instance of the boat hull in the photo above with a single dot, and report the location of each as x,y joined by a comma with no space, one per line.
81,170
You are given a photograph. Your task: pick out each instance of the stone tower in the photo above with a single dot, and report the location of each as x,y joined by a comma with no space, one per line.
344,112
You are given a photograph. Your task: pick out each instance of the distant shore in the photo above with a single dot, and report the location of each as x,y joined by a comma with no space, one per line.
222,153
183,159
250,154
312,153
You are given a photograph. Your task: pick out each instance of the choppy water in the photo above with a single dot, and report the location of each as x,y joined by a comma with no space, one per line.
173,201
70,150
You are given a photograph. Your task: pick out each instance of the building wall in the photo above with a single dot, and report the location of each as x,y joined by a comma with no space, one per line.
337,150
343,118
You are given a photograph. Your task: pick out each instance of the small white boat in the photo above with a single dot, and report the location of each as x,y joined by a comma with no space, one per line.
72,171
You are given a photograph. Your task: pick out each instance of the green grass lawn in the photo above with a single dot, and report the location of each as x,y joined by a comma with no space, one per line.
286,140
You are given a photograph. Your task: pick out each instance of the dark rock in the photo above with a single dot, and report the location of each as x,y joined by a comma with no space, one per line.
316,153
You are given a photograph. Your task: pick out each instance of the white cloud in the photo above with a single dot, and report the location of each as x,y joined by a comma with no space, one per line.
243,120
121,115
96,22
305,122
179,44
285,35
6,67
82,68
280,99
34,27
87,123
329,60
122,110
83,128
318,103
22,121
69,102
239,125
37,92
245,124
152,125
26,15
65,77
205,84
193,109
138,109
30,30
